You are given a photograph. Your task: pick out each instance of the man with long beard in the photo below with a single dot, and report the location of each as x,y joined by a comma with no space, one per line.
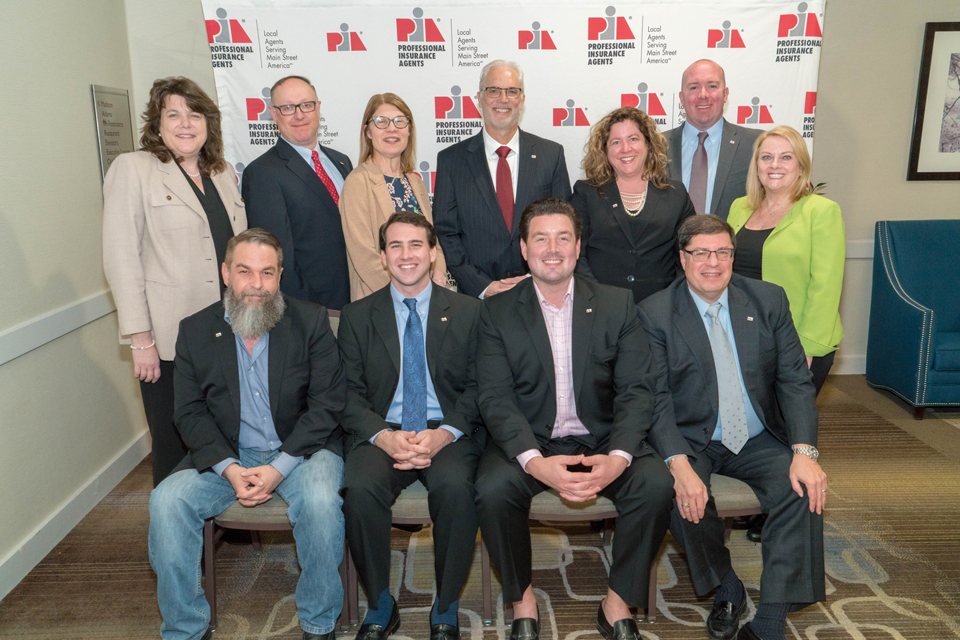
259,389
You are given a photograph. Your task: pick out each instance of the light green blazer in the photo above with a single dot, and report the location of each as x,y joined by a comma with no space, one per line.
805,254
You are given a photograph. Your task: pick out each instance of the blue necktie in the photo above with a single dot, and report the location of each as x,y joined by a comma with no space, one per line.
414,372
733,416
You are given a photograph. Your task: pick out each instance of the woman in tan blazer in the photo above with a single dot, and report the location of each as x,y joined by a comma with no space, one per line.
381,185
168,212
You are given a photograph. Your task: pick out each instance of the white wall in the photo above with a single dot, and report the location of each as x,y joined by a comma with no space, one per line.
865,102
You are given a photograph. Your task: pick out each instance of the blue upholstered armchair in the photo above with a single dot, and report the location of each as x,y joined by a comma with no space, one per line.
913,348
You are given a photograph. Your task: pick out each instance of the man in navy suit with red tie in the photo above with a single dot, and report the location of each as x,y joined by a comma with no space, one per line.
293,191
485,182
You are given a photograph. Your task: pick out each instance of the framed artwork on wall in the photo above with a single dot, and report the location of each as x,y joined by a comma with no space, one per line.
935,149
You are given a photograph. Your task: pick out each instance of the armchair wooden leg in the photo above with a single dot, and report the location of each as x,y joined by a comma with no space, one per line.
485,580
210,580
652,591
918,412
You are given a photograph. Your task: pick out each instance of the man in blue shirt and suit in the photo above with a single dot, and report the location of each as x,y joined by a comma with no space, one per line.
259,390
728,147
735,397
411,414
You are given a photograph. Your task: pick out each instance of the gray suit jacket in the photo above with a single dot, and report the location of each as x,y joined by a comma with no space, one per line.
736,149
772,361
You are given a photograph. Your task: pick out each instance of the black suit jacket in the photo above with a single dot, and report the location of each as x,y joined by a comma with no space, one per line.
370,347
306,379
284,196
476,243
613,372
730,183
612,253
771,359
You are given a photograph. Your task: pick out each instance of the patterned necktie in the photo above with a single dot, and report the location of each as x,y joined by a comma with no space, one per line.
325,179
414,415
698,176
505,187
733,417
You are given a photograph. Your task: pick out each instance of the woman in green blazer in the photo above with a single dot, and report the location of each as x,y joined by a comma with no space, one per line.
794,238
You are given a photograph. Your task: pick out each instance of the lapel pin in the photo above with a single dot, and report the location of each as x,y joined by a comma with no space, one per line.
589,310
732,142
615,205
533,156
749,318
218,335
443,319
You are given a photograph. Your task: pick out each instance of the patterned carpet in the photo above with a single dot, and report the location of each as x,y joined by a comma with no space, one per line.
893,563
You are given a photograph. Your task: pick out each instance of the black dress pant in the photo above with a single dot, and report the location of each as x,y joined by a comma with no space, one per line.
793,565
643,496
168,449
820,367
371,486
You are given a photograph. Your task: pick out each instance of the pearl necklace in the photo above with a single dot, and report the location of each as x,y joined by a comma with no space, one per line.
633,202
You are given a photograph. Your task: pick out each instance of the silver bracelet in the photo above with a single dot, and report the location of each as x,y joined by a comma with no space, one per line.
152,344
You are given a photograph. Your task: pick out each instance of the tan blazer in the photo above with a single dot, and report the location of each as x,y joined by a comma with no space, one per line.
365,204
158,252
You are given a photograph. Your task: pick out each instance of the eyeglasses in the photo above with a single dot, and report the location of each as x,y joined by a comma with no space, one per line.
702,255
382,122
290,109
494,92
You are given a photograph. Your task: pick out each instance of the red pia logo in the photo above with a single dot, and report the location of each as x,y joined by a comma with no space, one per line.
418,29
226,31
725,38
258,108
800,24
535,39
646,102
570,117
810,103
754,114
429,177
346,40
609,28
455,106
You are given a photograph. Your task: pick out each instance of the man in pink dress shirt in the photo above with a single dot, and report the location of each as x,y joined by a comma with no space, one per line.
566,388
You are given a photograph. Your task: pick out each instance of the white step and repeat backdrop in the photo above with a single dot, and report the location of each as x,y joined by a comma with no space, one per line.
580,61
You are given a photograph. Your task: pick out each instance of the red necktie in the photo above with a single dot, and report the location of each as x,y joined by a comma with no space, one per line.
505,187
325,179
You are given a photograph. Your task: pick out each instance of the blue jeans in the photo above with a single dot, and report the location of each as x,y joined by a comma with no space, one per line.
180,504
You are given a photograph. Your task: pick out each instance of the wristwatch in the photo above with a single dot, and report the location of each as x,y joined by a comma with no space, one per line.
807,451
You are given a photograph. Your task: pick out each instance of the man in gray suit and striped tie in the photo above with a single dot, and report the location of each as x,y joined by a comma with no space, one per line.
710,155
735,397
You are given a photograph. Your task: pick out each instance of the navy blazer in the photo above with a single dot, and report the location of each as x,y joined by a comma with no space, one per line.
284,196
476,243
772,363
306,378
614,375
736,149
370,347
646,261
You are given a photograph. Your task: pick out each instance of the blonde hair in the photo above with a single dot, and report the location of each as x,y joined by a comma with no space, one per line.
755,191
409,154
597,167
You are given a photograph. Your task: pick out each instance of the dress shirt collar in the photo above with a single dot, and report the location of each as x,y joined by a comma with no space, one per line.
703,305
305,153
422,298
490,145
546,304
713,133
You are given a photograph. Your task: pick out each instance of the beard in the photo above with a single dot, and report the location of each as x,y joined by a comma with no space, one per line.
253,321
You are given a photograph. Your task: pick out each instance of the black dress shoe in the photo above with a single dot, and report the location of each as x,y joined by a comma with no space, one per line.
756,529
372,631
444,632
625,629
525,629
725,618
747,633
319,636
